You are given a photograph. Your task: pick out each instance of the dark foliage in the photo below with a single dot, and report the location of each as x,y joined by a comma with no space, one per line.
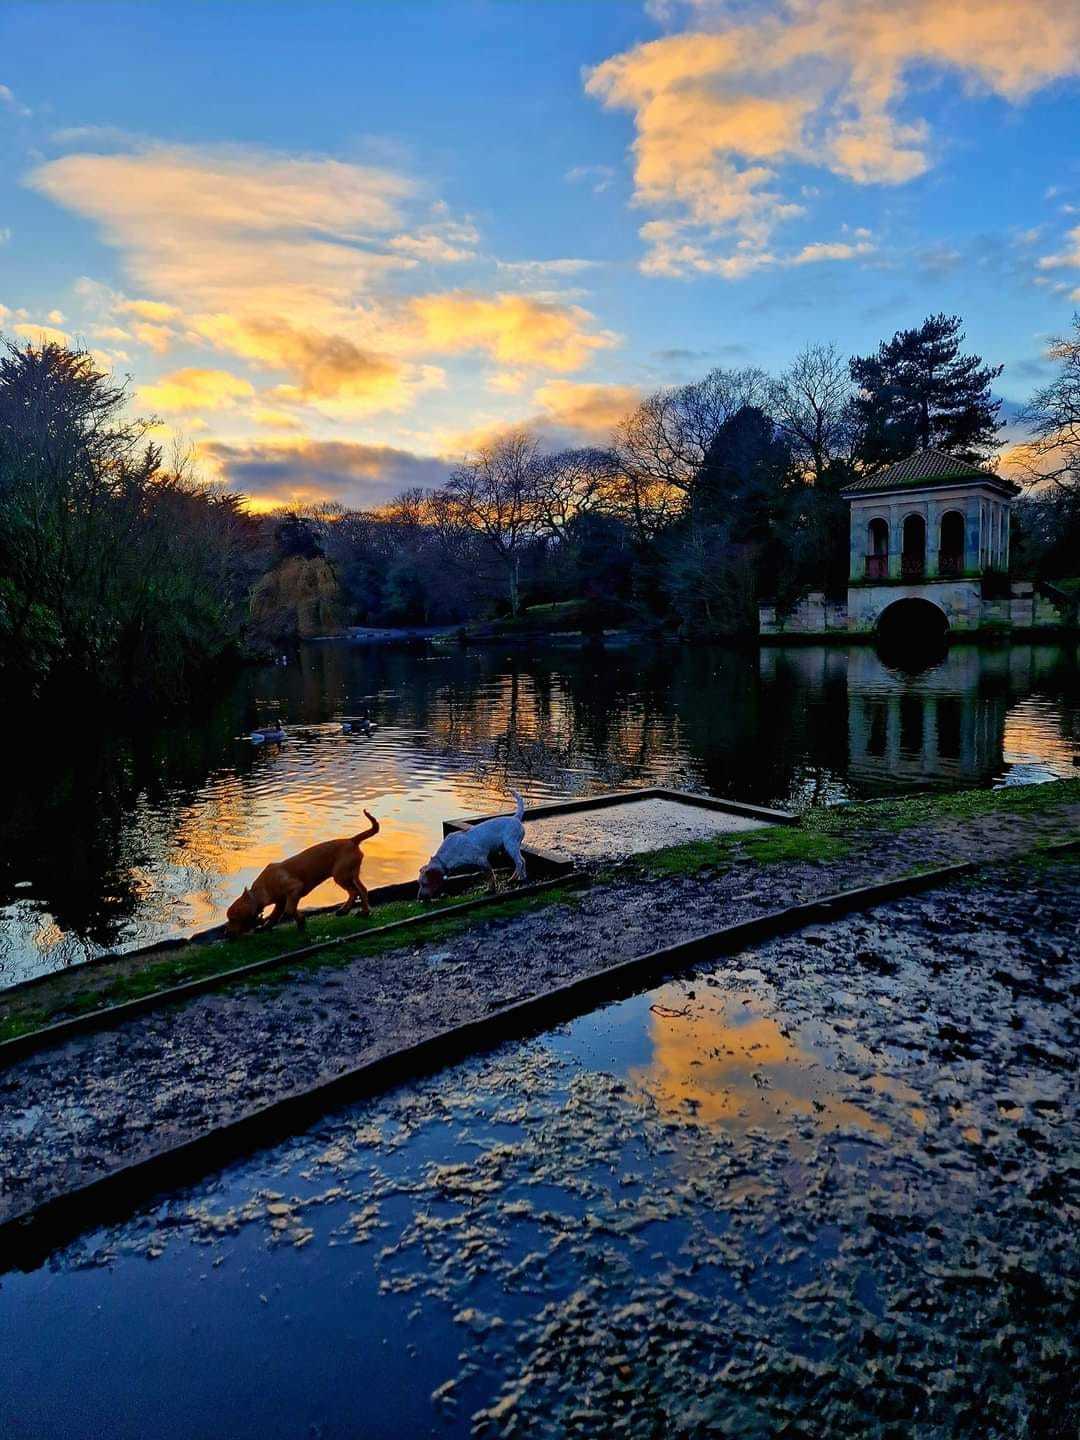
918,392
114,572
711,496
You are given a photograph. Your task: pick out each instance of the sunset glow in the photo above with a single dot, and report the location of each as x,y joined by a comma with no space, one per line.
314,243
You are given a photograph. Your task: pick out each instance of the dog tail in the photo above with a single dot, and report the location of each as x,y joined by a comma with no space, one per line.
520,804
367,834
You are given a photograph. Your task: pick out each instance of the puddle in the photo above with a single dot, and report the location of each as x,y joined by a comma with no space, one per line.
730,1061
691,1212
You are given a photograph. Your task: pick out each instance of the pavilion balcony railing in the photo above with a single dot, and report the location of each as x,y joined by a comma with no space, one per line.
912,567
949,563
877,567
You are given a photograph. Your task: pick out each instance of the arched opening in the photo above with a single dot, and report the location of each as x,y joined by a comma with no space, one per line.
913,559
877,550
951,552
912,628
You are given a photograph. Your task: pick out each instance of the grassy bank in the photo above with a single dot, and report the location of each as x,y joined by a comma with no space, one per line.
76,992
829,833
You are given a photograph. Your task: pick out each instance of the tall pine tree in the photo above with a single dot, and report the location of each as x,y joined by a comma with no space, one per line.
919,393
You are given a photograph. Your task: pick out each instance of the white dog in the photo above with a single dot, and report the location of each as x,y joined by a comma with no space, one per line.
476,848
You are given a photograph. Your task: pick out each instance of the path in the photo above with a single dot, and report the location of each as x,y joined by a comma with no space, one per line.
73,1113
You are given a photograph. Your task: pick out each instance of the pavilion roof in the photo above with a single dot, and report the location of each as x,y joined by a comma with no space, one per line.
927,467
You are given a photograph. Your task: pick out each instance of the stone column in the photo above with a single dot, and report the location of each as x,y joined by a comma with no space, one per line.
972,534
856,542
896,542
933,536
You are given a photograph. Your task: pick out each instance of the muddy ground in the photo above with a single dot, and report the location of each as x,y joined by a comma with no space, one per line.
70,1114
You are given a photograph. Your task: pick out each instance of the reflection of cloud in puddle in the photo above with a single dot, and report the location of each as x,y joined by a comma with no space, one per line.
731,1064
898,1090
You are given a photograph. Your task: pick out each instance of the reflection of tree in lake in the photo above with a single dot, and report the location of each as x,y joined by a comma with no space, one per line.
700,718
800,735
83,830
573,723
128,830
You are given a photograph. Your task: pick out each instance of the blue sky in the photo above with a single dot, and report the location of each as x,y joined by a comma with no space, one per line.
335,245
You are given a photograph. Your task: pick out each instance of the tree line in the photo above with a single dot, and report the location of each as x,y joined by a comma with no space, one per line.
710,496
119,567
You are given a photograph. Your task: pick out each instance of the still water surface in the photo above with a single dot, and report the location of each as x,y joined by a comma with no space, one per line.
657,1213
123,836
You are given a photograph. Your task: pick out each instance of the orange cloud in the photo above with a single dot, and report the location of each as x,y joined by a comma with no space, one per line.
185,391
718,111
266,257
570,414
284,263
513,329
591,412
155,311
326,366
39,334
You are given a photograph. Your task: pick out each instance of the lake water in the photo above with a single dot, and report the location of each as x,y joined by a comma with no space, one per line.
114,837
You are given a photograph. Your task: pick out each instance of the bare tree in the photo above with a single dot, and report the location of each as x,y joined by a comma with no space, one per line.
811,404
1053,416
493,496
409,509
572,483
662,443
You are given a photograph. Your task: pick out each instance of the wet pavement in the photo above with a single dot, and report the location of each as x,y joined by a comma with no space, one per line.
73,1113
828,1187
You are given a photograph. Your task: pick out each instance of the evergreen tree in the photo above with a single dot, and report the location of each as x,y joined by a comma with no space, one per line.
918,392
744,476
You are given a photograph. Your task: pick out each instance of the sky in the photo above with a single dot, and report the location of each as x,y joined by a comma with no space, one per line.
337,246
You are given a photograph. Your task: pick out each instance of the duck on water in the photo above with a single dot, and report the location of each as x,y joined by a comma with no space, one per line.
362,725
267,732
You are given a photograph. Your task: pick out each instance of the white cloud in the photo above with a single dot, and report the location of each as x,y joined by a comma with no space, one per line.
1065,259
722,111
540,272
288,263
598,177
9,101
831,250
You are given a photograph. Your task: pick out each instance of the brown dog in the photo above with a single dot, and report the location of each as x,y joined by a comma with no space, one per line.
285,883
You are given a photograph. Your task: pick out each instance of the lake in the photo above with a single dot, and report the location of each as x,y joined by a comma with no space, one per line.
115,836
